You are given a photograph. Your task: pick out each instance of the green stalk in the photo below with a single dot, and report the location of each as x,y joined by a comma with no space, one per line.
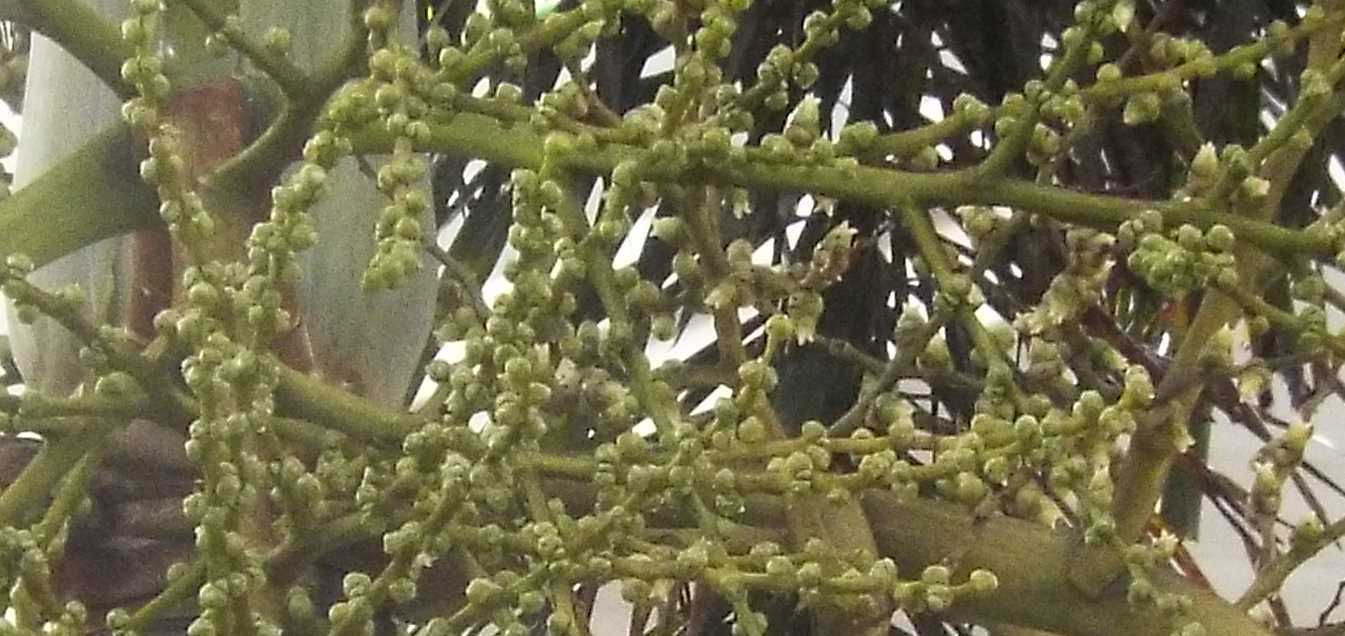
94,194
53,462
931,250
479,136
81,31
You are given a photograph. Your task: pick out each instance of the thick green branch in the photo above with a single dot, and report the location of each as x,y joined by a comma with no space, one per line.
307,397
34,405
1030,562
79,30
95,194
467,134
39,478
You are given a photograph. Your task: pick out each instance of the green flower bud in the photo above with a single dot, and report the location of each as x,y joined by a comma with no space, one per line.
1301,140
926,159
1309,289
483,592
804,122
1151,220
212,596
1108,73
805,75
970,489
1307,535
1205,165
805,308
935,575
1140,592
1192,629
1296,437
983,581
971,108
779,328
1190,237
669,229
277,40
1254,188
752,430
858,136
1220,238
1141,108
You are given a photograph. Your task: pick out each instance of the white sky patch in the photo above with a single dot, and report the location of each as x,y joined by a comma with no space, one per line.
1267,119
950,228
496,283
660,351
765,253
793,232
660,62
912,301
644,428
988,316
841,113
698,334
931,108
472,168
710,400
952,61
14,123
633,245
806,206
594,202
1273,104
450,231
1336,171
478,421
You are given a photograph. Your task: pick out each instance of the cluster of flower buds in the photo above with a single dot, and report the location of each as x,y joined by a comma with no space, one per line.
1181,260
1142,561
540,369
165,169
1075,289
23,295
29,556
1275,463
396,75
